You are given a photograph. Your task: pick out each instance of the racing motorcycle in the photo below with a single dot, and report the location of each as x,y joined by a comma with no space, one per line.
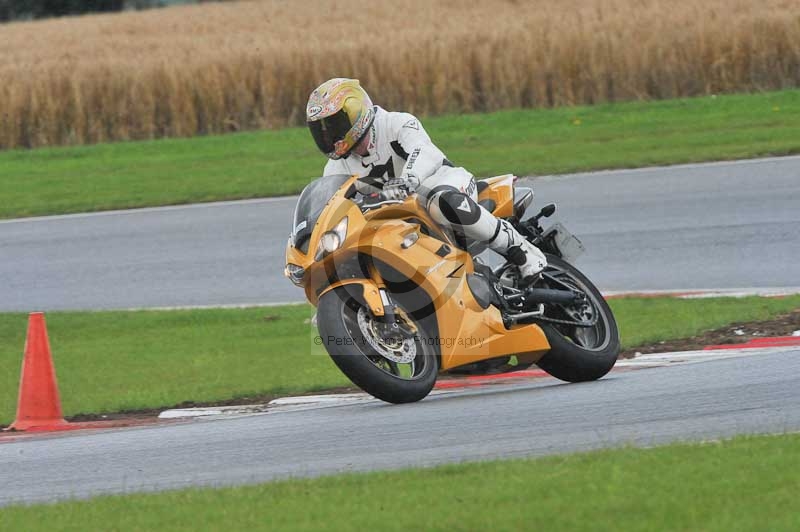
401,300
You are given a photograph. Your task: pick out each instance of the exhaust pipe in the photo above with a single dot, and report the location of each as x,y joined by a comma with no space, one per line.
534,296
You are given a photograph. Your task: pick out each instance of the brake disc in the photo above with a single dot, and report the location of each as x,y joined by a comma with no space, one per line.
399,351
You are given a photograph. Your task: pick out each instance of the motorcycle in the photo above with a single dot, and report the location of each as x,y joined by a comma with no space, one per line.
401,300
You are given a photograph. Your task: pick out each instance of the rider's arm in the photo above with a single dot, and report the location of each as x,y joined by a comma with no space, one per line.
340,167
424,158
335,167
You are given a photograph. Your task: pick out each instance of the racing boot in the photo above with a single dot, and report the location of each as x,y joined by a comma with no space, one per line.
517,250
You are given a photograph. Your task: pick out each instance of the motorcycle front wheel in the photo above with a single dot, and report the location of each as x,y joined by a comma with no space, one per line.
395,369
578,353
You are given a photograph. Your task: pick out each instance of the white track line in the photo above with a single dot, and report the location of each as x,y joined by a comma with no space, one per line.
685,166
141,210
688,293
208,307
699,293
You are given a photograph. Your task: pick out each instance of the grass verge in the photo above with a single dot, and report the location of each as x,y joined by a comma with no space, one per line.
116,361
748,483
268,163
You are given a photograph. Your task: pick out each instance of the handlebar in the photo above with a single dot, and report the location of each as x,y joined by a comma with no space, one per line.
376,200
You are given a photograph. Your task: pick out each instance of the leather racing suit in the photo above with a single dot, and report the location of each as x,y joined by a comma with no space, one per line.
401,152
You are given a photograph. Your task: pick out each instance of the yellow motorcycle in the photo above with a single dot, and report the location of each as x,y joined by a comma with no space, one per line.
401,300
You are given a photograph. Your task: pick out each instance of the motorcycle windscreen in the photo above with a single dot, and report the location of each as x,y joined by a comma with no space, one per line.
310,205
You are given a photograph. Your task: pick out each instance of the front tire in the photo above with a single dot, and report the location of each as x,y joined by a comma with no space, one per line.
578,353
375,367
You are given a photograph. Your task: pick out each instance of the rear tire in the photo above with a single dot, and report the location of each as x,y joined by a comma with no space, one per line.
567,359
337,318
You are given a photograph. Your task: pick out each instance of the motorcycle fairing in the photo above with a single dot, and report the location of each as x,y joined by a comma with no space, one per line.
467,333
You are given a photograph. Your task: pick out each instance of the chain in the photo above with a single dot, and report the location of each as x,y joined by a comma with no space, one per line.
568,322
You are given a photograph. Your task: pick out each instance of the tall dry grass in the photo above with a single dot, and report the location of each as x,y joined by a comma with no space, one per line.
243,65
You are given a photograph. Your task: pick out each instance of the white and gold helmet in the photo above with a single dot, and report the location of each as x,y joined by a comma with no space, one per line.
339,113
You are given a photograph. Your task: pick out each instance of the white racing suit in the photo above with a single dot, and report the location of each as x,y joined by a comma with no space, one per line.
400,148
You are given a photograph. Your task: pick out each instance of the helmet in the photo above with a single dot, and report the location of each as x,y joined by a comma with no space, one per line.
339,113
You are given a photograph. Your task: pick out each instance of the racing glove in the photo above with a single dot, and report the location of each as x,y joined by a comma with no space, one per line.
398,189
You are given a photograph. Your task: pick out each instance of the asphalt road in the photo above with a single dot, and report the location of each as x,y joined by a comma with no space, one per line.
757,394
720,225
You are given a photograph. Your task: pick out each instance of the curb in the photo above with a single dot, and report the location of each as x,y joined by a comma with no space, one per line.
761,346
7,436
178,413
774,341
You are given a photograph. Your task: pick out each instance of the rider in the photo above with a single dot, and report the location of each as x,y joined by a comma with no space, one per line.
394,150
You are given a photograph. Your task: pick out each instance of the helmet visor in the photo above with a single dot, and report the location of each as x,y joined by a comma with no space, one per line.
330,130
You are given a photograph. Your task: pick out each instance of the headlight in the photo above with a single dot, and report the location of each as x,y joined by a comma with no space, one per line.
295,273
332,240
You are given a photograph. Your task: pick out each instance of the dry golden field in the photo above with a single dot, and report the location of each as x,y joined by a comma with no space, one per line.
224,67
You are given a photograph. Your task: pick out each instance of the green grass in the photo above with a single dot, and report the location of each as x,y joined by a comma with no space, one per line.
114,361
745,484
645,321
267,163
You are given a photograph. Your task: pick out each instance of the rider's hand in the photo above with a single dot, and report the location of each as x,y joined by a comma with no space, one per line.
412,182
395,189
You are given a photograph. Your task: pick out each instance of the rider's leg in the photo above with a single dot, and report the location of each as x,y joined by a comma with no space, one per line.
450,197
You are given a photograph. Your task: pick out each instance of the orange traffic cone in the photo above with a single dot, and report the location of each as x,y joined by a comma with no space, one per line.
39,407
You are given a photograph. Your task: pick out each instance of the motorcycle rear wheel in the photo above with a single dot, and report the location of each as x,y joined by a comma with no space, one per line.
374,365
578,353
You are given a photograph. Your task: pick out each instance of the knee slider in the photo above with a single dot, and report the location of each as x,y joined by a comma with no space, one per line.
457,208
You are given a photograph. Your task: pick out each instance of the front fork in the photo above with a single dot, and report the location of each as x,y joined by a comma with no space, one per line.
394,322
373,295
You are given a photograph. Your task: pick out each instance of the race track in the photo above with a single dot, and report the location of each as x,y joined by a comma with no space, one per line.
719,225
700,401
